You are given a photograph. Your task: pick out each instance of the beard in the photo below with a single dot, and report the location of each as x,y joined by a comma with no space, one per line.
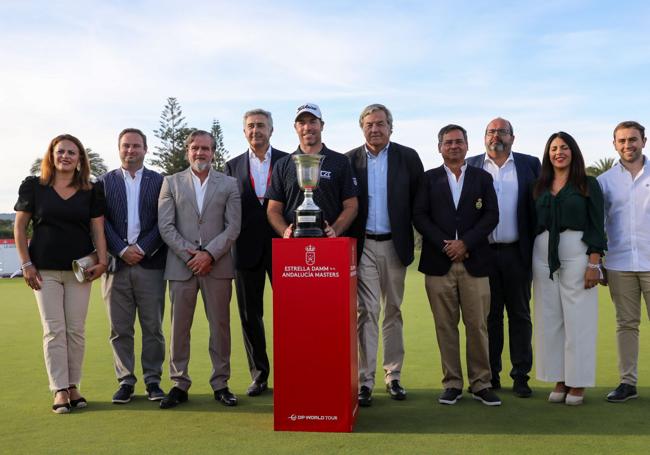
200,166
497,147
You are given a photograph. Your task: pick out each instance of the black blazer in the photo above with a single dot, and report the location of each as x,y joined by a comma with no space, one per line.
437,219
256,232
405,173
528,169
116,216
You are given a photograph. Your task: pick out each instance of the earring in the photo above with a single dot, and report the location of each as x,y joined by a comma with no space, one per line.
78,167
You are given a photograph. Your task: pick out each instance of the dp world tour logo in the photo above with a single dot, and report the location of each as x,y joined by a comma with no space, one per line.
310,254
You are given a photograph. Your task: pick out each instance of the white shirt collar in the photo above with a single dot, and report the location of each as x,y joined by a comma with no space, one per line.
488,159
252,156
138,173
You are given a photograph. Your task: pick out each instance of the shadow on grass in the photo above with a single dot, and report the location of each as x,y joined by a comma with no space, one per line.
421,413
199,402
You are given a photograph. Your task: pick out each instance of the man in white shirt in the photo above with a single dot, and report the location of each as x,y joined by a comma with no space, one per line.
252,251
199,217
137,286
626,189
512,243
455,211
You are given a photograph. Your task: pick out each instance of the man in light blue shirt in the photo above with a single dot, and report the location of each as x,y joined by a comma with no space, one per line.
388,177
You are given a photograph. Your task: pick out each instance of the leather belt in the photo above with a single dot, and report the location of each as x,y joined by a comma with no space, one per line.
379,237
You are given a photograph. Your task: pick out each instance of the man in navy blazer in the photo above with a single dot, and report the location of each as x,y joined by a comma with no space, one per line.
455,211
252,250
388,177
512,243
137,285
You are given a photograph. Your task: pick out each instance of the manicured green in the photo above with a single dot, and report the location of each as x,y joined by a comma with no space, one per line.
417,425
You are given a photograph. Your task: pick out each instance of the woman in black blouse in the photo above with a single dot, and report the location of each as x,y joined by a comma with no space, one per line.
566,269
67,212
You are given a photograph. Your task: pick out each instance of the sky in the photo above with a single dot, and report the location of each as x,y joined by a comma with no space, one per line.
92,68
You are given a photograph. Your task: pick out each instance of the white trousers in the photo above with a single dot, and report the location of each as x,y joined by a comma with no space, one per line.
566,314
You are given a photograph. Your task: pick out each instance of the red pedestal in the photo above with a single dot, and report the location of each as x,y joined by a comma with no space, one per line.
315,334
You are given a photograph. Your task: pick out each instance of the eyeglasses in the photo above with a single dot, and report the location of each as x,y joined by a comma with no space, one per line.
499,132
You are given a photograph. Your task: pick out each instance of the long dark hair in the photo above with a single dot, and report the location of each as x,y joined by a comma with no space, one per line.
577,174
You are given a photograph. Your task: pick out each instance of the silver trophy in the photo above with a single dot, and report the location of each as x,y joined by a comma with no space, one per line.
308,219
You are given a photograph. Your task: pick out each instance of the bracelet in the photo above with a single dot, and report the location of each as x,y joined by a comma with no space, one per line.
593,266
24,265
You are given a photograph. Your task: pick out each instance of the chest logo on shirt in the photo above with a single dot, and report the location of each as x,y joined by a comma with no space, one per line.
479,204
326,174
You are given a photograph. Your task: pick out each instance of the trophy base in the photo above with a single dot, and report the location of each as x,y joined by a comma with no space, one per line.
308,223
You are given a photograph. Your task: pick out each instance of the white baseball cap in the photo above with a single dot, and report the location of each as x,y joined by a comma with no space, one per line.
310,108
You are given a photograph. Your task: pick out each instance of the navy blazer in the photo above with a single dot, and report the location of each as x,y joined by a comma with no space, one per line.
437,219
256,232
405,173
116,218
528,169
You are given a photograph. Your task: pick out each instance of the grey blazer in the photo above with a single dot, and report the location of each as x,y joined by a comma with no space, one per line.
183,226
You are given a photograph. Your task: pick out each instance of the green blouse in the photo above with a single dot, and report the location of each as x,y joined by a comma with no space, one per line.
569,209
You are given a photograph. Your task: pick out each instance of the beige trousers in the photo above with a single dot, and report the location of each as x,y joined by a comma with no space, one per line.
626,289
451,295
63,306
566,314
380,285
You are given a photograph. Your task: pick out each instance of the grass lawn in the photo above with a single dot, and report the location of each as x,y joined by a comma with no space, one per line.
417,425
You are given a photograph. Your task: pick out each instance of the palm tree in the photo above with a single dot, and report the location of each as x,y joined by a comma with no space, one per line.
97,165
600,166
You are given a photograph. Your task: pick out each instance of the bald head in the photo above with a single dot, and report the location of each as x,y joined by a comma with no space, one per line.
499,137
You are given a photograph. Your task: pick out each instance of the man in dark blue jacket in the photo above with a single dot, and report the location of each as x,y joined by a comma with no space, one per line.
455,211
252,251
137,285
512,243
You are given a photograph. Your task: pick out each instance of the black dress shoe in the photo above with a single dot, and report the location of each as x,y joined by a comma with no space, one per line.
521,389
175,397
396,391
256,388
225,396
365,397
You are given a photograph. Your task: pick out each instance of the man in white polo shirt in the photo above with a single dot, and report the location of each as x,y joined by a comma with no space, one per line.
626,188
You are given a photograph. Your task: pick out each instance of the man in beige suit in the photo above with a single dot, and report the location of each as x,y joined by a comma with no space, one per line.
199,217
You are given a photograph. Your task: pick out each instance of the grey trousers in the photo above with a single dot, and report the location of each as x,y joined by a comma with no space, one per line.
216,295
129,291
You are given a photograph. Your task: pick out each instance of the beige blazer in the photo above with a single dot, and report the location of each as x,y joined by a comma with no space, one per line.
184,227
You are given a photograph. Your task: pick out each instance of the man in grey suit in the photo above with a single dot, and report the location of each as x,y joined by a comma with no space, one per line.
137,285
199,217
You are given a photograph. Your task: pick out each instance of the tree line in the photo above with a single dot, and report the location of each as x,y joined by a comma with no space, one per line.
170,156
